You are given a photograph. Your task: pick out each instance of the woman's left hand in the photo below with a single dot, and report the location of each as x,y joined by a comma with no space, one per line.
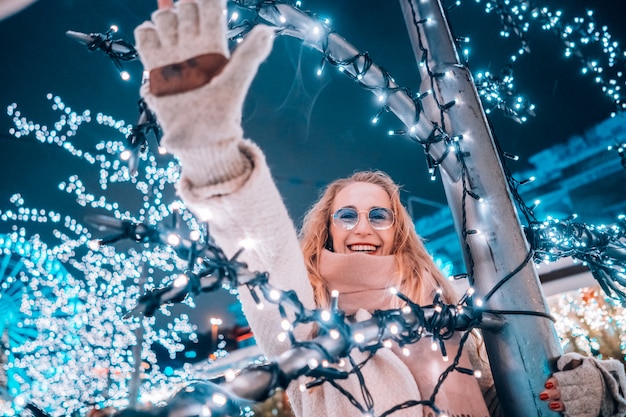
552,392
584,386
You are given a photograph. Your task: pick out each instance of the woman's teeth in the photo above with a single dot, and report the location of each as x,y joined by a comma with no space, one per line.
362,248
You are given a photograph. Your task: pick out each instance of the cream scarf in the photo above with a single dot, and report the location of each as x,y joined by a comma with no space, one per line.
363,284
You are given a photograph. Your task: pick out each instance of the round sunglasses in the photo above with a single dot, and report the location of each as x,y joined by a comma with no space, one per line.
347,218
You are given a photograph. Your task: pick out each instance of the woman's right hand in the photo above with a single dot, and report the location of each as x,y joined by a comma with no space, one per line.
196,87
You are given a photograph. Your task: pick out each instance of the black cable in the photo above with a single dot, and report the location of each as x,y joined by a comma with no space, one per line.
522,313
510,275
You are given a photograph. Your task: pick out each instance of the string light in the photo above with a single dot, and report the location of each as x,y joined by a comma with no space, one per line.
117,50
423,321
325,315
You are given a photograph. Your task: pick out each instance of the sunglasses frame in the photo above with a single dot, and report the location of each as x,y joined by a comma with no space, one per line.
341,224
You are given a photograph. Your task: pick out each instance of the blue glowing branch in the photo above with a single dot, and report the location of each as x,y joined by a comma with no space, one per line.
498,92
152,184
602,249
66,334
61,131
578,37
110,280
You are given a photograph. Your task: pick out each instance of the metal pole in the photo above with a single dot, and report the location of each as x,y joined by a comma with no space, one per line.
521,354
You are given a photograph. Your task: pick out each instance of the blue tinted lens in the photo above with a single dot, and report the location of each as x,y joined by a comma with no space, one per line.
380,218
347,217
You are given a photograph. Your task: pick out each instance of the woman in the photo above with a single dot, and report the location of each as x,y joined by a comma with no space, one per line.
357,239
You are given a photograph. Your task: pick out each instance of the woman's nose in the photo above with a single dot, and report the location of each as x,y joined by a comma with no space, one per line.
363,225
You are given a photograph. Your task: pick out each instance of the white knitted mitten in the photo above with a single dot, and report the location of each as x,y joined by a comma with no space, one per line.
593,388
196,88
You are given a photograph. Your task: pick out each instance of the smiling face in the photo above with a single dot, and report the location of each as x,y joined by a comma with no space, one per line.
362,238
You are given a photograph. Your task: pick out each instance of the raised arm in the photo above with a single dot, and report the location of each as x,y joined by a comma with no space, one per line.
197,90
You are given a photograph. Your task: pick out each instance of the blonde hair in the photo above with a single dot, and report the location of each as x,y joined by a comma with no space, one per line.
418,274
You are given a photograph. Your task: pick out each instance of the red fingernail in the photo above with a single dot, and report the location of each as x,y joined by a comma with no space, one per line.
549,384
543,396
555,406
